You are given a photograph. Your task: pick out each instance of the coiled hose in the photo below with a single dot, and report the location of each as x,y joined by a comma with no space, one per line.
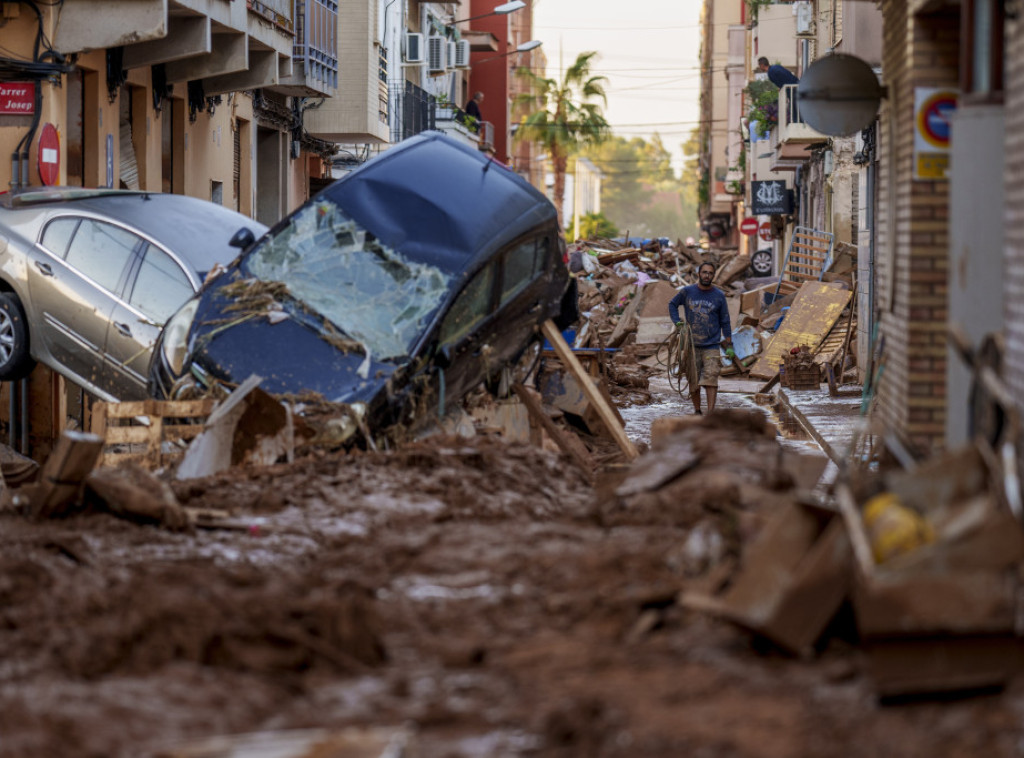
680,359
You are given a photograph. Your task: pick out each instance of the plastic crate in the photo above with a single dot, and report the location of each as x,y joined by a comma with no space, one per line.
799,377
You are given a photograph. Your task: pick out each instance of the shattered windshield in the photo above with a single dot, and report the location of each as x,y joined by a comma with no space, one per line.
370,292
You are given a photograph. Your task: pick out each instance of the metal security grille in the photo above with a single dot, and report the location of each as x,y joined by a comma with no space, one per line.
236,169
417,107
316,40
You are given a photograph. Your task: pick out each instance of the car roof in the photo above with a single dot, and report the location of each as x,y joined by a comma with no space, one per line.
440,201
206,232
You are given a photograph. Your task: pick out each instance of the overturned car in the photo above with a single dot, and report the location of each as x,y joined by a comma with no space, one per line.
396,290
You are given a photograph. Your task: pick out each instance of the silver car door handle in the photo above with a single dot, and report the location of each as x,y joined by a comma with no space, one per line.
44,268
123,329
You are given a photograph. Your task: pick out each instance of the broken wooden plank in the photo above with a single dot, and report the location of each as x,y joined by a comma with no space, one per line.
64,472
582,458
554,336
815,310
151,432
135,494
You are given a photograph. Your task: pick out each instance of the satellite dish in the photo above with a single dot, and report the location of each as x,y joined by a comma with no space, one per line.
839,95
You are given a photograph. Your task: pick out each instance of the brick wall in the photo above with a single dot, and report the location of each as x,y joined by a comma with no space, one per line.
1013,369
920,51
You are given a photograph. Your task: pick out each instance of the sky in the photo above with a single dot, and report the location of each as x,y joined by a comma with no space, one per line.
648,49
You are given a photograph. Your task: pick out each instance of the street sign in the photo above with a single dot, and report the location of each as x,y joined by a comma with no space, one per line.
17,98
933,110
749,225
765,231
49,155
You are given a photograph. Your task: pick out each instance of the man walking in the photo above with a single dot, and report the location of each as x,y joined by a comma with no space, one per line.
778,74
707,317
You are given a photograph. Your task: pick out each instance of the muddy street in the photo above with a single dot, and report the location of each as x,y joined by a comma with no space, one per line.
464,597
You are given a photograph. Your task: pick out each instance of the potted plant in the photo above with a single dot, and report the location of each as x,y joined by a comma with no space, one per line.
764,108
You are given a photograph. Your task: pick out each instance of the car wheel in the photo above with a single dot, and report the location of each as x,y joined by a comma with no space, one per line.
15,361
761,262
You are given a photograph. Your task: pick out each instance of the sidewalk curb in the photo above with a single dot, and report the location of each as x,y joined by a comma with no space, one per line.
807,425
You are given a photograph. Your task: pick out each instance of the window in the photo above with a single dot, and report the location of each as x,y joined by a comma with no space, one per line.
57,235
470,308
101,251
161,286
981,62
518,267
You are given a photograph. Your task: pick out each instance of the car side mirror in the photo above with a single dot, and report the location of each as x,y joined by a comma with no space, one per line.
242,238
443,357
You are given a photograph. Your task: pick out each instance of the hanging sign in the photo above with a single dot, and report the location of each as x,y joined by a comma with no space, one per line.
17,98
770,197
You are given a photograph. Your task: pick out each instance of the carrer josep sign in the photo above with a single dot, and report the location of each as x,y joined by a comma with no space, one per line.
770,197
17,98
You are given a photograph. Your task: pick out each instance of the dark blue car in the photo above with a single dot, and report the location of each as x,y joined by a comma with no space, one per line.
396,289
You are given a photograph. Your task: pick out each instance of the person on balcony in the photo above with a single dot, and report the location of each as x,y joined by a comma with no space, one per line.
778,74
473,111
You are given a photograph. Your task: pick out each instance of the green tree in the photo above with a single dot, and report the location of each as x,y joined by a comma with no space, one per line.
561,115
594,225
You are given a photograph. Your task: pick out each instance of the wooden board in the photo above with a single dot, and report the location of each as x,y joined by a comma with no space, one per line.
148,431
814,312
602,406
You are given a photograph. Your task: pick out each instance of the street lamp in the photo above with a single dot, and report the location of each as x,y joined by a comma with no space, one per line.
500,10
525,47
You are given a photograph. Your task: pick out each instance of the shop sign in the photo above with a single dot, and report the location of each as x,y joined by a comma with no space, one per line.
771,197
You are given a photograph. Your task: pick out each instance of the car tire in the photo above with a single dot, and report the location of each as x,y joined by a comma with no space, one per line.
15,360
761,263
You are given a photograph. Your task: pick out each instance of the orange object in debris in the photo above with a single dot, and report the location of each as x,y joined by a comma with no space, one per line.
893,528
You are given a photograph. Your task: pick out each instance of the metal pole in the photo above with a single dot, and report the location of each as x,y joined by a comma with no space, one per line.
24,416
12,407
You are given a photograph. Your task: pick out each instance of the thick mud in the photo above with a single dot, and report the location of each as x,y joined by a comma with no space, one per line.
480,597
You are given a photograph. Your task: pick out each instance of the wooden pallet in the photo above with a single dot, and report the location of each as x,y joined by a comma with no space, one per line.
152,433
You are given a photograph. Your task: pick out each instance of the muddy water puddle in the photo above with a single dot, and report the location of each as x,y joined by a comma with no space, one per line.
667,402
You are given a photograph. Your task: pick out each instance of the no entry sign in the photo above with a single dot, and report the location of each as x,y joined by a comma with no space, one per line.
49,155
749,225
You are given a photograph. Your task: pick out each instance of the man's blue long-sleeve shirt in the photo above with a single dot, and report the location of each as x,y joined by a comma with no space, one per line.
707,313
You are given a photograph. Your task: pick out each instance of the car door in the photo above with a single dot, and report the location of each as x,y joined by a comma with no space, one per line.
463,333
75,276
521,294
158,286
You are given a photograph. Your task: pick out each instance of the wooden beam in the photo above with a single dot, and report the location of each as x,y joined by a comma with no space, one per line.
582,459
593,394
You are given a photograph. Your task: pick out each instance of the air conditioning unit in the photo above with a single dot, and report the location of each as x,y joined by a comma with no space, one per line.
804,12
437,49
413,47
462,53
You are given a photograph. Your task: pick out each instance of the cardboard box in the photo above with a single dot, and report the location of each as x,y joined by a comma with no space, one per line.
941,617
792,579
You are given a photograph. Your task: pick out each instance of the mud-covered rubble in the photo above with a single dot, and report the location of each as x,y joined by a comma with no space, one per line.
477,592
624,293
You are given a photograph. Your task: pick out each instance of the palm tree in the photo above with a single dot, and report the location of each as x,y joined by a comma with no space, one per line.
561,117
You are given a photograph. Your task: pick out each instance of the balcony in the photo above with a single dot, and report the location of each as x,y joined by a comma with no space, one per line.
357,113
314,52
791,136
455,123
227,45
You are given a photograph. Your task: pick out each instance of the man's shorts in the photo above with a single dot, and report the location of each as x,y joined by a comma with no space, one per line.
709,365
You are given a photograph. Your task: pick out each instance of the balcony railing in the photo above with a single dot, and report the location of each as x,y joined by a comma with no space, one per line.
316,40
416,107
791,126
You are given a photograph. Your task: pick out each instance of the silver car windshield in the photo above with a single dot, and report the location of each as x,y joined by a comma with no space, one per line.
370,292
